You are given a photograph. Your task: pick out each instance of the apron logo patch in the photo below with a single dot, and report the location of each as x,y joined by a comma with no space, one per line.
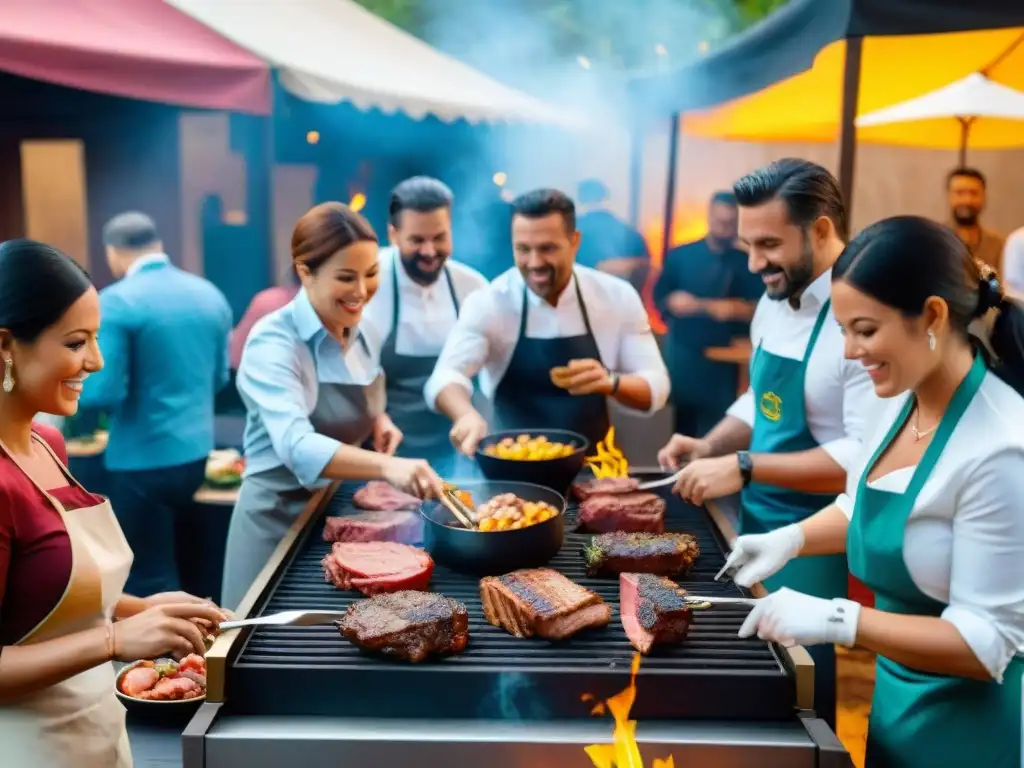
771,406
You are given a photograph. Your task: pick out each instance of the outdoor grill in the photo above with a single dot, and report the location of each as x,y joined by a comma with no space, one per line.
305,693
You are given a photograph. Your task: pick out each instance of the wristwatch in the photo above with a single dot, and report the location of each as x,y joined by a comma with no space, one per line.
615,383
746,467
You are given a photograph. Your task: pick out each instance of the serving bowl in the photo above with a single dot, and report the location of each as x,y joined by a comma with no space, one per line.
490,553
557,474
152,705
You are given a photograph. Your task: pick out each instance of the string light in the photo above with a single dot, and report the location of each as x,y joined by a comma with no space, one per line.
313,137
500,178
583,61
358,202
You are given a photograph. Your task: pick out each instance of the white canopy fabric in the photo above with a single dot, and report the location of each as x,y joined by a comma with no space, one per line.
329,51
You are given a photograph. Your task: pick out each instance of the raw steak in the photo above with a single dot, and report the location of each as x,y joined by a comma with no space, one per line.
400,527
604,485
407,625
541,602
630,512
373,567
653,609
661,553
378,496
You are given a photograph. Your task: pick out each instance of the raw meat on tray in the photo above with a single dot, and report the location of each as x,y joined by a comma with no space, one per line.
373,567
662,553
400,527
407,625
379,496
604,486
541,602
630,512
653,610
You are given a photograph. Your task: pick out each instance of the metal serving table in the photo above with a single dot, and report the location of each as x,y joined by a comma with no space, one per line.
306,695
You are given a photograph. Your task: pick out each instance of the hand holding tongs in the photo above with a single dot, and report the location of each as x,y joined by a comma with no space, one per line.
285,619
455,505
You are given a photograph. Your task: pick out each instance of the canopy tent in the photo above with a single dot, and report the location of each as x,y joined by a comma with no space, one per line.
330,51
141,49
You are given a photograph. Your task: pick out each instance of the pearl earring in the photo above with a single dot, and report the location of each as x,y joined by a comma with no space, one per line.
8,375
931,340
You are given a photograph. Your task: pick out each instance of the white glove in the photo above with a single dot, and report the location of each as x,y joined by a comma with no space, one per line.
756,557
793,618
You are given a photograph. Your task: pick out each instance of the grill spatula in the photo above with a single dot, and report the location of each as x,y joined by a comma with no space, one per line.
286,619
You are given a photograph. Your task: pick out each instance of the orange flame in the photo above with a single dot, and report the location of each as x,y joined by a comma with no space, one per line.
623,752
609,460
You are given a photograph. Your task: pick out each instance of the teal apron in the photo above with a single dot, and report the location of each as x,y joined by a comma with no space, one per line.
780,426
921,719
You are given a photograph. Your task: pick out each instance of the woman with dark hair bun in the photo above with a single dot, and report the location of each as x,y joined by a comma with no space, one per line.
63,558
313,388
931,519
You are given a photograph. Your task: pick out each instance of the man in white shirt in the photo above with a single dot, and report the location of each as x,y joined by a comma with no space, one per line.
415,308
548,313
788,442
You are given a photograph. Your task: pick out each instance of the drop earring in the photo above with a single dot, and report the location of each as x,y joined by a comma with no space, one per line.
931,340
8,375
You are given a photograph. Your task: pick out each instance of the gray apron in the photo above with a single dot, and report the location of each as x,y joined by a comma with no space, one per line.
270,501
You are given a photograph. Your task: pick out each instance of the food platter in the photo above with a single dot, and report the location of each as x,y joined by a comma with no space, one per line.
166,668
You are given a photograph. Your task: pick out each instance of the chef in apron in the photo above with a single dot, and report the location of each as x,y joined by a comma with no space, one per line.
547,313
786,443
314,393
931,517
422,290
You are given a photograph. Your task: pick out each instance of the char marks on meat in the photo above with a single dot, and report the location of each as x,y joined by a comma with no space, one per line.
401,527
379,496
408,625
665,554
653,610
634,512
607,486
373,567
541,602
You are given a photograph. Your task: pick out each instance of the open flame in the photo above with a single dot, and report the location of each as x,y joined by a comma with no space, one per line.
623,752
609,461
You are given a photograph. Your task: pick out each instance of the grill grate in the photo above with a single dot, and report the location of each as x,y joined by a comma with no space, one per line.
313,670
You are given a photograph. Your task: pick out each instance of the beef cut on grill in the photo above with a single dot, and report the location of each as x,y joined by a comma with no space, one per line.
604,486
662,553
378,496
630,512
373,567
400,527
541,602
407,625
653,610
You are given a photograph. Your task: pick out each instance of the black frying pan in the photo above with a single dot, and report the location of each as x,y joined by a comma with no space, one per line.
494,552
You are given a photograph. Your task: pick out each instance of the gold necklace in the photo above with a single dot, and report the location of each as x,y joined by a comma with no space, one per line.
918,434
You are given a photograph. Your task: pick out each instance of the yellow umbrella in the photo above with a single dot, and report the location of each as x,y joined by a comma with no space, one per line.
808,106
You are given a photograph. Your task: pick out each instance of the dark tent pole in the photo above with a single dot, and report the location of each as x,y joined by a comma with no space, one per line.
670,187
848,125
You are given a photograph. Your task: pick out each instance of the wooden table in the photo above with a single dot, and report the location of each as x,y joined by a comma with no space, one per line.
737,353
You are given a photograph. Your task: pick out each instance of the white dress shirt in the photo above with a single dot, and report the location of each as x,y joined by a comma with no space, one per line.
1013,264
287,356
964,542
485,336
427,313
839,397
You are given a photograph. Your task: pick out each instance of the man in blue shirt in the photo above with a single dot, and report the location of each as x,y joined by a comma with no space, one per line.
164,338
607,242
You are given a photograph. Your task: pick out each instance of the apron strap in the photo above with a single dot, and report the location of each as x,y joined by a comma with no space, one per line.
67,474
579,298
816,331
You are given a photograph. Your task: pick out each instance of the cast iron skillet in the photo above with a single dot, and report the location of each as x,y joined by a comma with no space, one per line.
494,552
557,474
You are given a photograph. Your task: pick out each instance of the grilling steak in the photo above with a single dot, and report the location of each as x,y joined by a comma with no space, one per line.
541,602
604,485
661,553
401,527
407,625
378,496
654,610
630,512
373,567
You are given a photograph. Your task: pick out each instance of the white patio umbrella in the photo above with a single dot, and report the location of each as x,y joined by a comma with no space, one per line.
961,109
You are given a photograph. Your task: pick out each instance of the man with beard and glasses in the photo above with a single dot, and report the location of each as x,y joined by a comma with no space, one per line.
788,441
551,340
421,292
706,295
965,189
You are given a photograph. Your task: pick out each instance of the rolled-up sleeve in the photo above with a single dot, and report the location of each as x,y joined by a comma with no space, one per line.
859,404
639,354
743,408
270,382
465,350
986,593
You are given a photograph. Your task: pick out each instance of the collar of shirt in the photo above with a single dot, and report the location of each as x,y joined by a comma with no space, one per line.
335,364
145,261
816,294
409,288
567,299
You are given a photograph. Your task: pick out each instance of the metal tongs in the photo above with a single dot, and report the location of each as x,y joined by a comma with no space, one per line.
285,619
455,505
670,480
699,603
